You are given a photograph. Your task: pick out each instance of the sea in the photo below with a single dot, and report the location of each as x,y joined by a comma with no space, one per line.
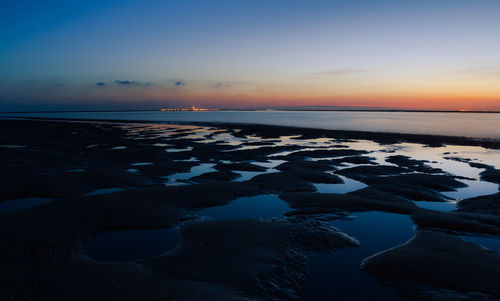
465,124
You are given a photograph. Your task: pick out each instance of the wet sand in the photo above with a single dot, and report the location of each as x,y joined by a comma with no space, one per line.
77,183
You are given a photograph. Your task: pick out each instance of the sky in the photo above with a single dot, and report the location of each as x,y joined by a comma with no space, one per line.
78,55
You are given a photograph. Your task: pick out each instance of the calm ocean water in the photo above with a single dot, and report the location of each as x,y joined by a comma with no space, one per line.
484,125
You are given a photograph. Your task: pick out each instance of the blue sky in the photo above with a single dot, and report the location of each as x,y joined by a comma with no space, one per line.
148,54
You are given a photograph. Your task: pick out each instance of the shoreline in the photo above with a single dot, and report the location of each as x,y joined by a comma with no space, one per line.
264,110
381,137
156,205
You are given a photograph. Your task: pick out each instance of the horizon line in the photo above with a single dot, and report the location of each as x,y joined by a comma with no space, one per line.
263,109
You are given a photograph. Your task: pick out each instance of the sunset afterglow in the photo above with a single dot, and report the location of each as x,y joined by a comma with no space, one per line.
250,54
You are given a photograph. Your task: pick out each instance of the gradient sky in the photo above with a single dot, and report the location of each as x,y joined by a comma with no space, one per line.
152,54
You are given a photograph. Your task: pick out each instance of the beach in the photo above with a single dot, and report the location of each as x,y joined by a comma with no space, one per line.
128,210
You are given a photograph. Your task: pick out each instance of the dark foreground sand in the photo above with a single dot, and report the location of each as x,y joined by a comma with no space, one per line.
43,249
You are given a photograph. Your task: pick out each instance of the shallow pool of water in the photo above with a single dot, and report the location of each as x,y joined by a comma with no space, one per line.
261,206
104,191
192,159
438,206
193,172
338,276
474,189
349,185
177,150
489,242
22,204
269,163
142,163
248,175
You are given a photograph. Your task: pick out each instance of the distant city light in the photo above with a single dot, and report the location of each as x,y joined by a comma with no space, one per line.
193,108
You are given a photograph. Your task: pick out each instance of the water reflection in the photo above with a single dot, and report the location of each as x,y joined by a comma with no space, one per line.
269,163
261,206
489,242
142,163
438,206
178,150
104,191
474,189
182,177
337,276
349,185
248,175
22,204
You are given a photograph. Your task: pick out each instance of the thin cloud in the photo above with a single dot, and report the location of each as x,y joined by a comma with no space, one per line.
100,84
481,72
222,84
179,83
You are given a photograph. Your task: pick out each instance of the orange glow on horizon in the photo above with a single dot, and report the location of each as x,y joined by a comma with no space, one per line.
262,95
411,97
468,103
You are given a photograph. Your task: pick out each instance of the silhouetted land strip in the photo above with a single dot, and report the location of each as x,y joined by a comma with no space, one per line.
264,109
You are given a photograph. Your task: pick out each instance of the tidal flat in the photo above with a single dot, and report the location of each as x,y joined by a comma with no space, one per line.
108,210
